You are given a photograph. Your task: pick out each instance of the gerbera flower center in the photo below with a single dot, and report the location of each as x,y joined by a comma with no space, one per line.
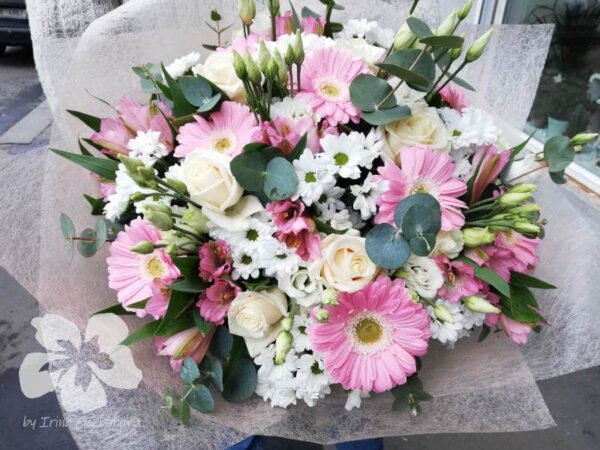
423,186
154,267
223,144
368,331
330,89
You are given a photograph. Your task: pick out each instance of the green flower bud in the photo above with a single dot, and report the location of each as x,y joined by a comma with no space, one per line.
272,72
414,296
290,57
252,69
478,47
448,25
263,57
465,10
583,138
443,313
523,188
239,66
530,208
142,247
273,7
172,249
329,297
298,48
247,11
177,185
159,207
283,344
282,73
132,165
514,198
480,305
195,218
137,197
404,38
160,220
456,52
476,236
287,323
147,173
526,227
322,315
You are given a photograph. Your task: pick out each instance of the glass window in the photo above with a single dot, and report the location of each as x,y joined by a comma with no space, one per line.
568,96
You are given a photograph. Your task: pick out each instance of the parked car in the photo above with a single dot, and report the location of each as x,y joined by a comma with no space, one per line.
14,24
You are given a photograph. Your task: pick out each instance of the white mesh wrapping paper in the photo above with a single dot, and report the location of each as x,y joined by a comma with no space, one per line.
477,387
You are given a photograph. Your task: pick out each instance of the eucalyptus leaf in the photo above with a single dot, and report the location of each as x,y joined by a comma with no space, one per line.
463,84
240,384
423,200
281,180
385,116
189,371
418,27
66,226
558,153
386,247
443,41
411,65
367,91
221,343
196,90
86,244
558,177
101,233
249,169
210,104
184,413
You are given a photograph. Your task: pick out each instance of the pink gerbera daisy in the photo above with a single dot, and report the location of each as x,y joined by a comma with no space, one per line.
227,131
325,81
372,336
138,277
423,171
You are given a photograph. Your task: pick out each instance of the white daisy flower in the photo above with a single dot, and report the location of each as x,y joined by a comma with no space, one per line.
147,147
345,153
472,126
277,259
357,28
315,176
291,108
355,399
444,331
246,264
124,187
299,325
181,65
276,382
366,195
471,319
312,382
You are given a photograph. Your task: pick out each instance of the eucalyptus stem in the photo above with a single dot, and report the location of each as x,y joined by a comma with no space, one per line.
413,65
451,77
542,166
442,75
414,6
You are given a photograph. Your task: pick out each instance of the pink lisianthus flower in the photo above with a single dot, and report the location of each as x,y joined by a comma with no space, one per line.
372,336
215,301
138,277
454,97
240,44
288,216
187,343
227,131
306,242
285,133
214,260
488,162
284,24
313,25
423,171
459,280
517,332
325,82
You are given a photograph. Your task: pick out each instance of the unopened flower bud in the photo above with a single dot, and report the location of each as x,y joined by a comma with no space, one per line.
252,69
463,12
456,52
414,296
273,7
322,315
404,38
159,207
142,247
583,138
448,25
239,66
329,297
282,73
286,323
530,208
195,218
477,236
247,11
263,56
172,249
272,72
514,198
478,47
137,197
131,164
283,344
289,56
177,185
160,220
443,313
526,227
298,48
480,305
147,173
523,188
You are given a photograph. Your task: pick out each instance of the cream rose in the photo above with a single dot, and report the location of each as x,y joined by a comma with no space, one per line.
423,127
218,68
256,316
209,180
449,243
344,264
423,276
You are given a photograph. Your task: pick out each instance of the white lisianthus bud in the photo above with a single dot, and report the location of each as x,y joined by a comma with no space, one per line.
478,47
448,25
443,313
195,218
247,11
523,188
583,138
476,236
526,227
329,297
171,249
142,247
404,38
480,305
283,344
263,56
298,47
530,208
514,198
287,323
465,10
322,315
239,66
273,7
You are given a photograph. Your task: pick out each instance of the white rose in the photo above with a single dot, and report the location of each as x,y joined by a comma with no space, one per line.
423,127
423,276
209,180
218,68
449,243
303,287
344,264
359,48
256,316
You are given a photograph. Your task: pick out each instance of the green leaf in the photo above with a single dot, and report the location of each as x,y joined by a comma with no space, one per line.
83,149
299,148
485,331
189,371
418,27
119,310
410,65
210,104
170,405
325,227
86,245
307,12
521,306
195,90
213,368
91,121
97,205
184,413
221,343
488,275
419,216
425,201
281,180
104,167
367,91
463,84
201,323
187,265
181,106
240,384
413,388
386,247
558,177
258,284
403,73
385,116
249,169
201,399
146,331
523,280
558,153
514,152
101,233
178,302
443,41
192,285
66,226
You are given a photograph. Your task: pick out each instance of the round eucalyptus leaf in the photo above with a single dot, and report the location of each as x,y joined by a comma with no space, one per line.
443,41
366,91
417,220
386,247
196,90
101,233
209,104
241,382
424,200
201,399
221,343
86,244
406,67
66,226
558,153
423,244
281,180
385,116
249,169
189,371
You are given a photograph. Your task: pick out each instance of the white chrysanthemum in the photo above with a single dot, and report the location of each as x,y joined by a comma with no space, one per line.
382,37
472,126
277,259
181,65
312,382
175,172
354,399
357,28
423,276
310,42
276,382
299,325
331,209
246,264
366,195
147,147
315,176
345,153
447,332
291,108
471,319
124,187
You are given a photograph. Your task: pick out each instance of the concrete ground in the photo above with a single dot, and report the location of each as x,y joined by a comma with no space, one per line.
574,400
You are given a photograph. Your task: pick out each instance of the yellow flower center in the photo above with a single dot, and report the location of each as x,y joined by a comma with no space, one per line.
223,144
368,331
330,90
154,267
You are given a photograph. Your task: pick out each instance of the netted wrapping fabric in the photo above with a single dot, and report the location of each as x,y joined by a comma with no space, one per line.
477,387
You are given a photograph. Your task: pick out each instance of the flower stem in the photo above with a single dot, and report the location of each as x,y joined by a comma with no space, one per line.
188,233
542,166
413,65
451,77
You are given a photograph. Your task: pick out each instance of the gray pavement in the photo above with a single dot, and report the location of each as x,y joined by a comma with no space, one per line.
574,400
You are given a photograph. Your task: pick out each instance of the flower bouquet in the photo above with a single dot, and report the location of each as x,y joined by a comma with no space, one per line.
312,205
